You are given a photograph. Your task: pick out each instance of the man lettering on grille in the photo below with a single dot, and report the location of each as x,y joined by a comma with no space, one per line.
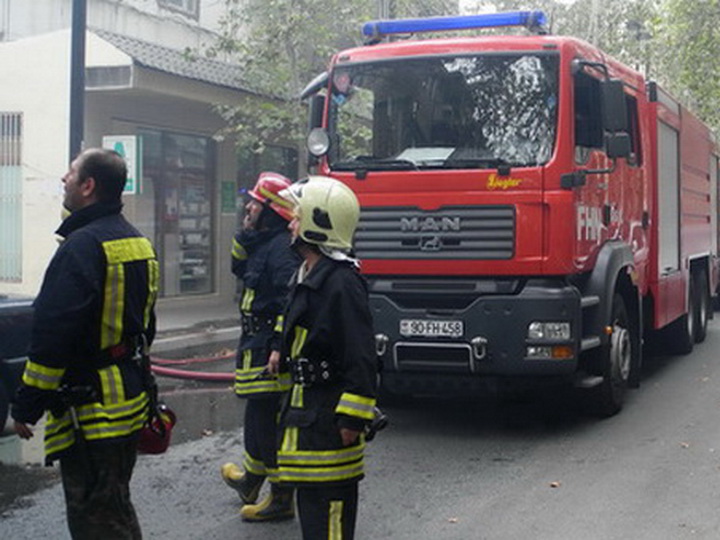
328,341
94,309
263,259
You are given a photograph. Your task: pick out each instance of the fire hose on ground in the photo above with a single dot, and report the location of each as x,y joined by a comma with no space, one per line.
161,366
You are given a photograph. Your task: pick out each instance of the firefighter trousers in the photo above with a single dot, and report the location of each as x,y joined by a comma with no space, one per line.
96,482
260,433
328,512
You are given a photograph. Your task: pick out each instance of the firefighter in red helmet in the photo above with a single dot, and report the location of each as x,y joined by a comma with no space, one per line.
263,259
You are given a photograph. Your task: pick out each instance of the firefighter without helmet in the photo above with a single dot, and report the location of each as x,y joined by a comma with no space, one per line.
327,209
267,192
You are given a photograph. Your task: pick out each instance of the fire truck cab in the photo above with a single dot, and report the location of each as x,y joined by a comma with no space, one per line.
530,207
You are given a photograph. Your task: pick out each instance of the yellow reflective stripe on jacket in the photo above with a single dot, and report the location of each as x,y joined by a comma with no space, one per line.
247,300
153,288
335,529
298,342
355,405
279,324
296,398
248,379
254,466
113,306
290,439
97,422
111,383
318,458
238,251
42,377
127,250
320,474
119,252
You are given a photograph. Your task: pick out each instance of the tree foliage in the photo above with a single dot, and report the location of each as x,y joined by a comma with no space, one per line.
282,45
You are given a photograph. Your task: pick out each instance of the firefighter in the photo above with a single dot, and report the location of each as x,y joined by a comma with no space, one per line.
94,311
263,259
329,345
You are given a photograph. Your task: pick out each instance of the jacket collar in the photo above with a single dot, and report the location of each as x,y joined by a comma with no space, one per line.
86,215
322,269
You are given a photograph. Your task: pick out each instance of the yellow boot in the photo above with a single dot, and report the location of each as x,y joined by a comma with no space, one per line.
245,483
278,505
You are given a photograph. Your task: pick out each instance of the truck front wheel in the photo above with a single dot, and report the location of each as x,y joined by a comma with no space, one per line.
617,355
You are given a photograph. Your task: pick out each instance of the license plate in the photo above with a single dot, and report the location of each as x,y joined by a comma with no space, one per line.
429,328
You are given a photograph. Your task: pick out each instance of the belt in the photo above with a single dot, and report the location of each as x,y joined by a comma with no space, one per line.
122,351
307,372
256,324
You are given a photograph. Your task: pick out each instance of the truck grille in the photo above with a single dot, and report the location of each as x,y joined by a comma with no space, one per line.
454,232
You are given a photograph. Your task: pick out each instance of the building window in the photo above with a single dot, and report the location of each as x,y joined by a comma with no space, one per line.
176,208
277,159
10,196
188,7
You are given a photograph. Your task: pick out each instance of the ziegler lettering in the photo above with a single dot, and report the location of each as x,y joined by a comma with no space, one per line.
496,182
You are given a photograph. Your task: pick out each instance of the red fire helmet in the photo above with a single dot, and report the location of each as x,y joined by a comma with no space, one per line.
267,190
153,439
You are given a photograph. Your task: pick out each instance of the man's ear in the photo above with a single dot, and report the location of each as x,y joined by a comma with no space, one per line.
87,188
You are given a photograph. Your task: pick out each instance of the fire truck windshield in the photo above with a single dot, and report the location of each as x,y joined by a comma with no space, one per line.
478,111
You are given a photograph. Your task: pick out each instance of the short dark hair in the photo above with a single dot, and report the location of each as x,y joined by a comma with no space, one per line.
109,170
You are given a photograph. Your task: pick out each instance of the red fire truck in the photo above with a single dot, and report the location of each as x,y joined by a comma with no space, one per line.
531,207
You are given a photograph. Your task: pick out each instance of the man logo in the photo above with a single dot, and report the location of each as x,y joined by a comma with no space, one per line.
430,224
430,243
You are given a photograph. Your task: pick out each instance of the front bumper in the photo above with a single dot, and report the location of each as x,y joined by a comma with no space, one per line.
494,341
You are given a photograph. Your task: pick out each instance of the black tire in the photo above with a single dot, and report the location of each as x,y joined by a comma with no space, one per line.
4,406
616,359
681,333
702,306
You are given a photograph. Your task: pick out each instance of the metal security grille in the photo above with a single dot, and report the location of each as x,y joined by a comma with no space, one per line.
10,196
453,232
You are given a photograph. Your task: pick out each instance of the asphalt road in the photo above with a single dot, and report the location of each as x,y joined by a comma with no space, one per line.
481,469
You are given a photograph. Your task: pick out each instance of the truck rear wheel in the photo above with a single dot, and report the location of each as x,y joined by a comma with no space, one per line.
681,333
702,306
608,398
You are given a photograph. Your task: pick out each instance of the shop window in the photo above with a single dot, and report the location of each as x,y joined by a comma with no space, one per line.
179,180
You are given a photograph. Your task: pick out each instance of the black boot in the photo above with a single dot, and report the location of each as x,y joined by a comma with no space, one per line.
245,483
278,505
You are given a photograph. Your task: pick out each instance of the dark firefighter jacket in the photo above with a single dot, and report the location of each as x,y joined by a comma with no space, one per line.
98,292
266,263
328,323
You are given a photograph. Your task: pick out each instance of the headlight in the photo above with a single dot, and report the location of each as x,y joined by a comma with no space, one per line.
318,142
549,330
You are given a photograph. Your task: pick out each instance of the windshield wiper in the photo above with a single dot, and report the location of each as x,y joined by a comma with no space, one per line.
374,165
475,163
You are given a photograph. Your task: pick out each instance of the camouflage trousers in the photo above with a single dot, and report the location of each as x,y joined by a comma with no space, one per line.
96,482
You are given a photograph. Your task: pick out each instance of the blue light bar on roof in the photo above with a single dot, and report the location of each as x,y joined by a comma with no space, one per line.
531,19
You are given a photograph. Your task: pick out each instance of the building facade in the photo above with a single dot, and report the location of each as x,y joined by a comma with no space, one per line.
146,99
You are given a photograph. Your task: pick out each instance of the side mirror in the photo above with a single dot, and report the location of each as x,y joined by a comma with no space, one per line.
317,107
614,108
617,145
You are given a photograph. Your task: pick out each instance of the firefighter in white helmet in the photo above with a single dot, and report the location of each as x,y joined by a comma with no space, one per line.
329,349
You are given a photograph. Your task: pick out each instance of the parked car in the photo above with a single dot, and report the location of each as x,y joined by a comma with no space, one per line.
15,322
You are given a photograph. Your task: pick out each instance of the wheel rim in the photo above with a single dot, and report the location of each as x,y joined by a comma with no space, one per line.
621,352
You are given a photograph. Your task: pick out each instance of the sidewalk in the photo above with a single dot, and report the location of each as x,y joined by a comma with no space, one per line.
189,322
